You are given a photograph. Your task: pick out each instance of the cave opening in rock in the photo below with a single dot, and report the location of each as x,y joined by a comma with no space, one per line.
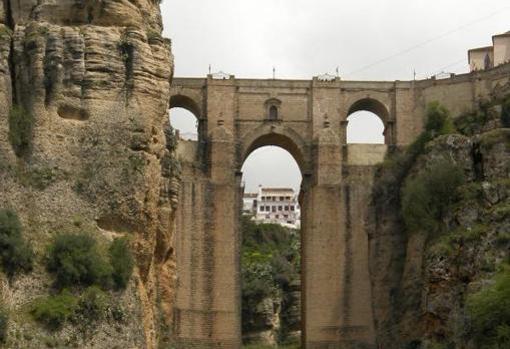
271,248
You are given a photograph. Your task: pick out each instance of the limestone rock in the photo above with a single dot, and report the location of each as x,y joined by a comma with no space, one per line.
95,76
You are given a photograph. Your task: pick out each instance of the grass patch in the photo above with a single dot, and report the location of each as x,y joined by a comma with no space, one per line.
54,311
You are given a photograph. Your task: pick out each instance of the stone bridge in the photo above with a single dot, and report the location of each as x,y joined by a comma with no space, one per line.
309,120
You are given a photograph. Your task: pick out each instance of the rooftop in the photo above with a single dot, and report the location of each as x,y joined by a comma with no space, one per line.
277,190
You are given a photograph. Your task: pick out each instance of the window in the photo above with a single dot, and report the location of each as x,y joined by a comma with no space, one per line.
289,222
286,208
273,209
282,198
277,216
267,208
292,208
273,112
285,216
274,198
280,208
268,216
262,208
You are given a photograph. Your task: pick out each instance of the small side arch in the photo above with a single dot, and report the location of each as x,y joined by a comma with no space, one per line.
185,102
279,136
378,118
371,105
187,118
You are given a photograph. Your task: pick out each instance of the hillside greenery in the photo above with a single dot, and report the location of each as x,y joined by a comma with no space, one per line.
270,263
16,254
489,310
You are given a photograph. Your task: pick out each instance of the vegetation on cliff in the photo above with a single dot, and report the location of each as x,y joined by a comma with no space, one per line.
453,191
270,265
75,260
490,312
21,124
426,197
16,255
83,272
4,320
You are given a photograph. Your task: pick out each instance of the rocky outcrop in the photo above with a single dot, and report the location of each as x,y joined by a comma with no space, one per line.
422,279
94,77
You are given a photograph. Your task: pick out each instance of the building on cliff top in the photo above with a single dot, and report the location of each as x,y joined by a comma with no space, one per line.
483,58
273,205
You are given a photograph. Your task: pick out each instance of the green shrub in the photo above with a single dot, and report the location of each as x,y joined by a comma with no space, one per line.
122,262
54,311
426,196
4,322
21,124
438,120
76,261
397,165
505,113
92,305
15,254
490,313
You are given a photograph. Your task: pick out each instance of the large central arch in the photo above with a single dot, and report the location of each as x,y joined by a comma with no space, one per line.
276,135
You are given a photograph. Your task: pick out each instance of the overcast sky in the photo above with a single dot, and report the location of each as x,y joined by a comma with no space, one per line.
306,38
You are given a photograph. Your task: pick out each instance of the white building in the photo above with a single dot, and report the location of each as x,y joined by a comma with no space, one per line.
491,56
274,205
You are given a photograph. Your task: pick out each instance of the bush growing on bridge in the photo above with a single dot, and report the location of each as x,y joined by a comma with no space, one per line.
15,254
439,121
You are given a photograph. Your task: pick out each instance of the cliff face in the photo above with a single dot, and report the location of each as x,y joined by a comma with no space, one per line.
423,278
93,79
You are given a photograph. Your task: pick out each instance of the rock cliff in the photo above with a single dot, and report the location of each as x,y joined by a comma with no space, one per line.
91,79
424,275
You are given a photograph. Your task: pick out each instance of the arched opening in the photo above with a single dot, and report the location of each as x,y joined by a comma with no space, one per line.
185,117
366,122
271,246
185,123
